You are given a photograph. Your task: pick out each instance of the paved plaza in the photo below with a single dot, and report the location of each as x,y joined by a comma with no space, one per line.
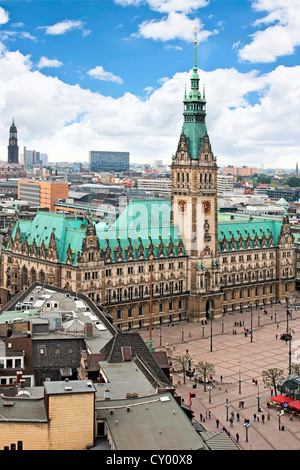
234,356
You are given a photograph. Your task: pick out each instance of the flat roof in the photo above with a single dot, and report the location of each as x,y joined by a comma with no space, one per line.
155,422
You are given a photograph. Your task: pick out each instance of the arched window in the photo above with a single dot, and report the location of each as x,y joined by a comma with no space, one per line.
24,276
42,277
33,275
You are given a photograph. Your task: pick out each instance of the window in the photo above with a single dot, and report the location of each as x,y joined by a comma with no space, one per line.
161,267
129,311
180,264
119,314
18,363
141,310
119,271
108,272
170,304
130,270
69,275
141,269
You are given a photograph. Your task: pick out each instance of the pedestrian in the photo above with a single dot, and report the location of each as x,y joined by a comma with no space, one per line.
221,378
263,418
201,416
231,422
276,336
209,415
190,335
206,413
256,382
254,417
268,416
217,422
232,414
238,417
187,351
271,392
237,437
257,418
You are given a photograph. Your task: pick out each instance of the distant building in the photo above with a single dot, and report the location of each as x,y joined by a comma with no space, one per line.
40,193
244,171
108,161
155,185
77,166
224,183
13,149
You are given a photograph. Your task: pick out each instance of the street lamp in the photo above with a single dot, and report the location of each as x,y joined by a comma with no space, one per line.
258,396
209,394
182,334
227,405
251,308
160,335
203,327
258,318
211,312
280,413
240,382
247,426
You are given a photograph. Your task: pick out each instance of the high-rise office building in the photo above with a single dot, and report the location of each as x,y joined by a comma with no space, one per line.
101,161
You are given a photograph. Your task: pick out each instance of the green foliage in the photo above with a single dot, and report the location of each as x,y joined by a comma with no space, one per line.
293,182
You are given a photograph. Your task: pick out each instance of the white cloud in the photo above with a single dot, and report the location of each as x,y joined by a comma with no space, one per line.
100,74
281,34
167,6
4,18
173,26
44,62
67,121
64,27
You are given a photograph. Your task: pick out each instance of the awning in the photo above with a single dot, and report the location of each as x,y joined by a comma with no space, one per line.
294,404
282,399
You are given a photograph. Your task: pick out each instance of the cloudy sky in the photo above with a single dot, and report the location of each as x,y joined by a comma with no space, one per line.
110,75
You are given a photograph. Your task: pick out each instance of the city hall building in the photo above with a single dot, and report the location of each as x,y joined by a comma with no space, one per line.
179,256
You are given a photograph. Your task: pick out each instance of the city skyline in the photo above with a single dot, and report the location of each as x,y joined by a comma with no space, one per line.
78,76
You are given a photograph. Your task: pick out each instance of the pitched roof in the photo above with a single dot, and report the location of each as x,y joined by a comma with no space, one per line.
114,353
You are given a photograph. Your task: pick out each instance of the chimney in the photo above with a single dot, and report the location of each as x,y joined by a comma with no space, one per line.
88,330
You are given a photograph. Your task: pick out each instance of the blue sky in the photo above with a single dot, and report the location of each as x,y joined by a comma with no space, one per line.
110,75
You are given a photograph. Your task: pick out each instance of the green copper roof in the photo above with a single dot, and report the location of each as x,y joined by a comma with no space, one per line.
67,231
194,126
242,226
141,222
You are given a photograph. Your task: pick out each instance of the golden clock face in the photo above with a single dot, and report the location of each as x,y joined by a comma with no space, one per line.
12,142
206,207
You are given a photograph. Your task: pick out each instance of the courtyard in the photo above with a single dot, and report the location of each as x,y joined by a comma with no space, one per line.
236,358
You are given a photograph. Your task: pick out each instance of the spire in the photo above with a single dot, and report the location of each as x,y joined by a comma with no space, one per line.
194,113
195,56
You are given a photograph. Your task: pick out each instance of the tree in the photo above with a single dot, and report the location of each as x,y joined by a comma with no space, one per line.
205,370
183,363
271,377
295,369
293,182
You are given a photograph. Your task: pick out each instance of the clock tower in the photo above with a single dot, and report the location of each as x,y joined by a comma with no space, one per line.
194,206
13,149
194,177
